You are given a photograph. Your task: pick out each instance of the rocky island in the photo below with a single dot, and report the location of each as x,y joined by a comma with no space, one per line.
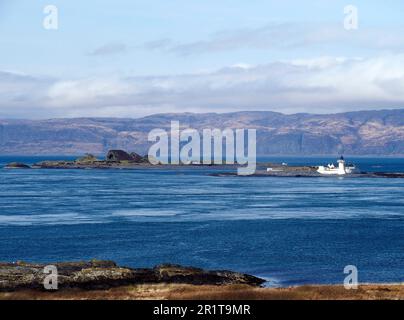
114,159
119,159
17,165
306,172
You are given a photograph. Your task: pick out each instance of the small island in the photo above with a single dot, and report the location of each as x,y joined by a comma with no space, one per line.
114,159
120,159
17,165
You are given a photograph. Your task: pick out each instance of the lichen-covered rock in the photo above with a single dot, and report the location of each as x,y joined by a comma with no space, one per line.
106,274
87,159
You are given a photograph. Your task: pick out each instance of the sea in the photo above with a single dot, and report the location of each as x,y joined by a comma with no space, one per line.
288,230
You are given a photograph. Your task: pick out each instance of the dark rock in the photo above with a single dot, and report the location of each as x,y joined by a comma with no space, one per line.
118,155
169,273
106,274
137,158
17,165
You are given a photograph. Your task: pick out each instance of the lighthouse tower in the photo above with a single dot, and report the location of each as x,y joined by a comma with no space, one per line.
341,166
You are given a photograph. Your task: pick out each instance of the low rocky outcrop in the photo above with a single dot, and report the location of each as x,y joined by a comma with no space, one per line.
138,158
310,172
17,165
113,159
123,156
107,274
87,159
118,155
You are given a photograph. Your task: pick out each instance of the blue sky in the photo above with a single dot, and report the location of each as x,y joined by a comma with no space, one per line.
133,58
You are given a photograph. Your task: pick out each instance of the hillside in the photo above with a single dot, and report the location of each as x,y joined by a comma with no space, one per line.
355,133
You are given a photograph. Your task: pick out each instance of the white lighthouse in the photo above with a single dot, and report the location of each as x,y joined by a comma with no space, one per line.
341,166
342,169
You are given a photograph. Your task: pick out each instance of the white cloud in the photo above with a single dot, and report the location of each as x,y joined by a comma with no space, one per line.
242,65
321,85
86,92
109,49
288,36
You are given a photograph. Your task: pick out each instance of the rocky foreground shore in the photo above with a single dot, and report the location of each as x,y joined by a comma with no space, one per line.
95,274
106,280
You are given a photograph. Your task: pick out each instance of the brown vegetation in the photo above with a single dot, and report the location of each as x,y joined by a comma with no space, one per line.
229,292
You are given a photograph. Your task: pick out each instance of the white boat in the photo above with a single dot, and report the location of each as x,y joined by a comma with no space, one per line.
342,168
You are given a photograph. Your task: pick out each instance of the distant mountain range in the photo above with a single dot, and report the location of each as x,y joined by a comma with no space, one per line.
354,133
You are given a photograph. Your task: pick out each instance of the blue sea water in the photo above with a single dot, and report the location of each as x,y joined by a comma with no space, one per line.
288,230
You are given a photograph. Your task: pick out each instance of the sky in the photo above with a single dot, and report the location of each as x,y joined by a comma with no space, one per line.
131,58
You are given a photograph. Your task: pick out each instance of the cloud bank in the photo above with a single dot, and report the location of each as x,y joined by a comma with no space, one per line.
283,36
321,85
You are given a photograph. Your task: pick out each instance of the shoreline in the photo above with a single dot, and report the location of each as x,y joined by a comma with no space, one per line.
105,274
105,280
119,159
284,171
